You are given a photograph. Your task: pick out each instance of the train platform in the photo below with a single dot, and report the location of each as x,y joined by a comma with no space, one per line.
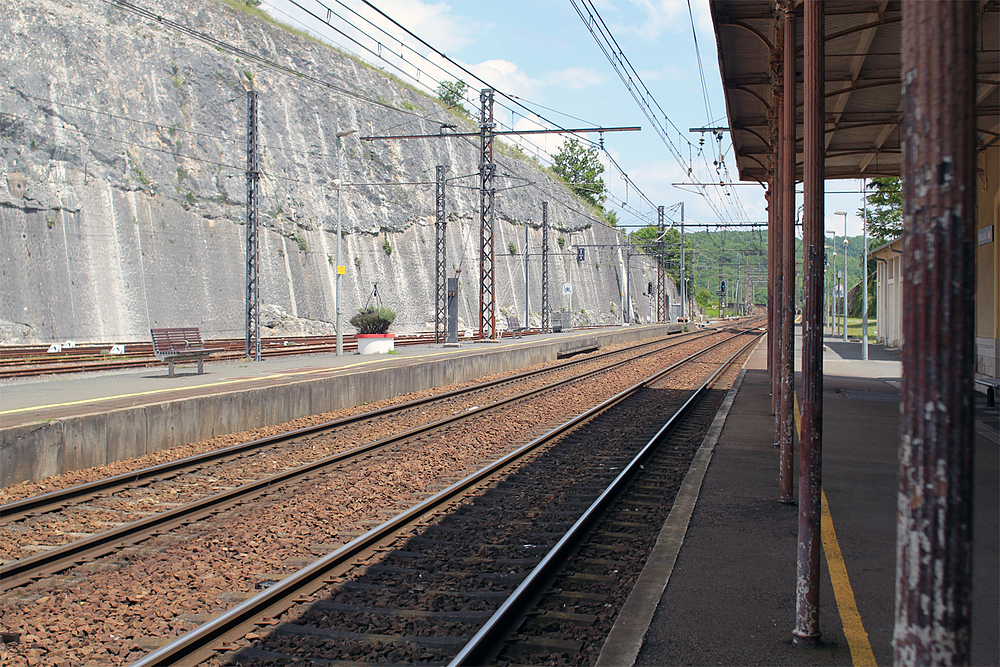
54,424
720,587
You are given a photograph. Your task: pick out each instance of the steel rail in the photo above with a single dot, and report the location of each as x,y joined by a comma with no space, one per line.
34,360
200,644
56,500
486,643
20,572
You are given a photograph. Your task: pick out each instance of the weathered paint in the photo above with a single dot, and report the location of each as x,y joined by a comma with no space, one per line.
934,530
807,630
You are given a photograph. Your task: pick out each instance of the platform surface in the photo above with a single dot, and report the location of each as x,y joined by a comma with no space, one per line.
58,396
730,598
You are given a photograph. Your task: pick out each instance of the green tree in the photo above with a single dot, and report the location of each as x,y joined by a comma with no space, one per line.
885,209
452,93
581,169
646,238
702,298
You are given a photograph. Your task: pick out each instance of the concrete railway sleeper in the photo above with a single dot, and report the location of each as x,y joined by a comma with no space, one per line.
418,587
214,552
34,506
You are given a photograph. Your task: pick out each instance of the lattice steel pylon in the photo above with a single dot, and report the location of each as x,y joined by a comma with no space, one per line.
253,245
661,278
545,268
440,261
487,195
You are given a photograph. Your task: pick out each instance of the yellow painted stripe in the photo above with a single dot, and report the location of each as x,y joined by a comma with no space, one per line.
850,617
854,629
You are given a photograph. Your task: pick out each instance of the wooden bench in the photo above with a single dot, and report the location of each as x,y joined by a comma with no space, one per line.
515,326
180,344
991,384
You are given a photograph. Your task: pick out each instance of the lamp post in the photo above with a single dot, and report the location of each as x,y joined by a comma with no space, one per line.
826,277
836,294
864,273
844,213
340,269
833,267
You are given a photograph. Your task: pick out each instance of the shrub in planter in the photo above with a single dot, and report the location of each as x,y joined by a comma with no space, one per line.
372,320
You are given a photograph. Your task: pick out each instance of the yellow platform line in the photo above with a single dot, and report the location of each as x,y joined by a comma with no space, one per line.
850,618
854,629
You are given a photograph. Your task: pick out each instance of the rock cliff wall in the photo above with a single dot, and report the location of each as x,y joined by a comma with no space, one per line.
122,197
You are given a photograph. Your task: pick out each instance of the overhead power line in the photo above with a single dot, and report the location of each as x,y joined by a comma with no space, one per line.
643,97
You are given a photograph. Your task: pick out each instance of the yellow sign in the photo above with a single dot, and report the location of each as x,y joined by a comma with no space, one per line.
341,270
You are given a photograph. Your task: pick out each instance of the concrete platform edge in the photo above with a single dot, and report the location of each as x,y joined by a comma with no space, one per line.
629,631
33,451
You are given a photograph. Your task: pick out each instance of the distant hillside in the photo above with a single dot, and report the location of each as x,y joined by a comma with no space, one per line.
726,253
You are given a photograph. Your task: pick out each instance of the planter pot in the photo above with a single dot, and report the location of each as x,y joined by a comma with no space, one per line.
376,343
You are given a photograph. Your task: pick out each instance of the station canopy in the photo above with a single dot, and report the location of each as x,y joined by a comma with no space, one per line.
864,102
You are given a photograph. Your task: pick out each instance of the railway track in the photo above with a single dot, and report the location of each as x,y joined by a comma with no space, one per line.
86,508
34,360
451,579
165,543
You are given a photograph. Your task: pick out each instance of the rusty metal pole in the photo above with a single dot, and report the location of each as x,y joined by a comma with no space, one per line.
934,529
787,222
807,632
774,218
771,334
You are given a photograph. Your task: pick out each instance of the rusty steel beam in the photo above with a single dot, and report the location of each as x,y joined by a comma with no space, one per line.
934,512
807,630
771,329
785,423
775,217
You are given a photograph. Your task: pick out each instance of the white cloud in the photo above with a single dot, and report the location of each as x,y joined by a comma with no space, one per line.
432,22
506,76
576,78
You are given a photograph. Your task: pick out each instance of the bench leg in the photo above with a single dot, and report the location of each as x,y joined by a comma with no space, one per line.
991,397
170,368
201,365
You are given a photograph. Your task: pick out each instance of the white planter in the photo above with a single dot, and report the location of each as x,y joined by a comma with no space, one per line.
376,343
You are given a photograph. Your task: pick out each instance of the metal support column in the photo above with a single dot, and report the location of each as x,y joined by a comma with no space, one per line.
807,632
786,309
934,529
253,245
774,217
772,277
682,285
440,260
527,311
487,194
545,268
661,279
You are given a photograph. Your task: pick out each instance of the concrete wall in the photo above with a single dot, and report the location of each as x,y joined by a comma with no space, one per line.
32,452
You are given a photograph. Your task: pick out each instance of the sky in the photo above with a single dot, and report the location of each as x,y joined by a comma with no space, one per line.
542,53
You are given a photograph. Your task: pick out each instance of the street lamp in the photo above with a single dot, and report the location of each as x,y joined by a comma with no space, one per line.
340,269
864,273
844,213
836,294
833,245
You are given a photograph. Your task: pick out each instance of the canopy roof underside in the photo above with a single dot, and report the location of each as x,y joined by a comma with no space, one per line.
864,103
